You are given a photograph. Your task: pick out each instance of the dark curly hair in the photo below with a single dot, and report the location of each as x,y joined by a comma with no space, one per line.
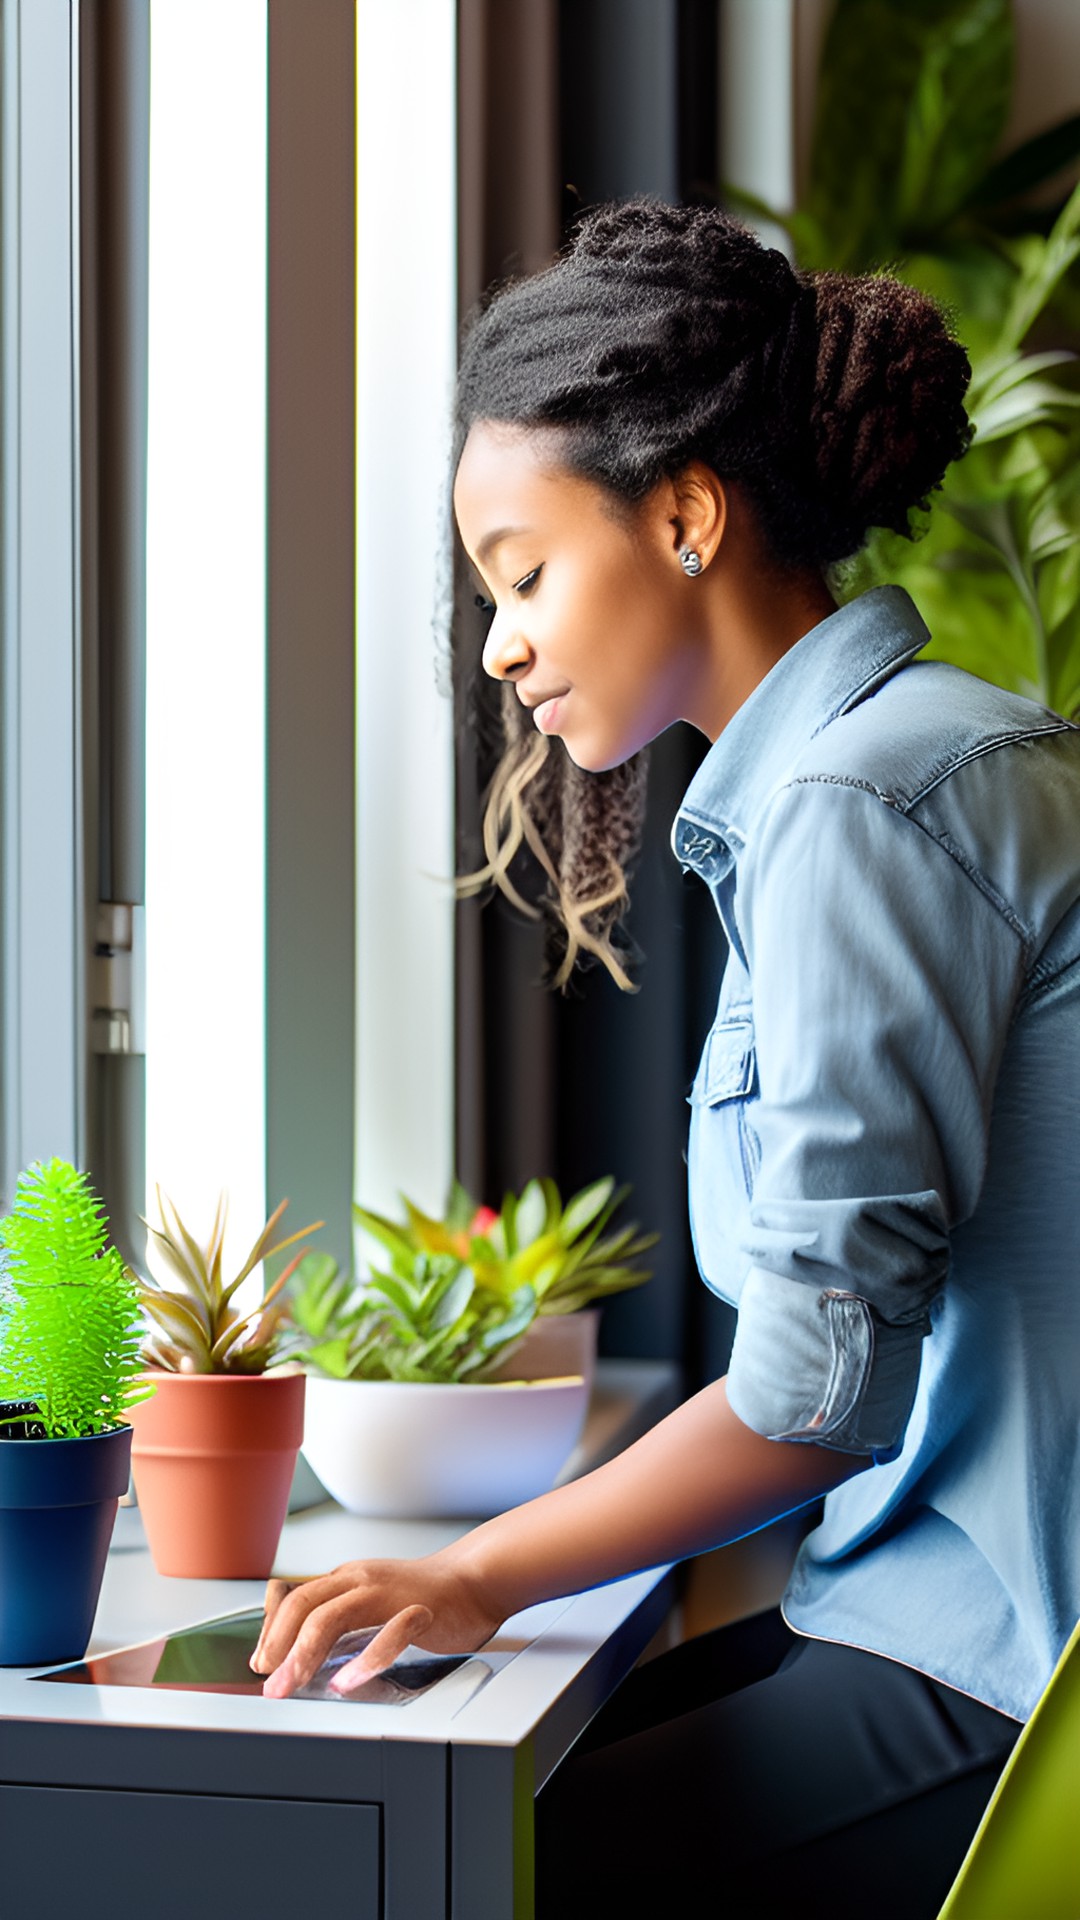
669,334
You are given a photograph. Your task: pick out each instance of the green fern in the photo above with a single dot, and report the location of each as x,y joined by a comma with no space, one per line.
69,1309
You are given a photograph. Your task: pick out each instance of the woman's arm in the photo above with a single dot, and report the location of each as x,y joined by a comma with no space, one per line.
697,1479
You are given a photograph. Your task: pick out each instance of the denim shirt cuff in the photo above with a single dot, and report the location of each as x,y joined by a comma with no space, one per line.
819,1364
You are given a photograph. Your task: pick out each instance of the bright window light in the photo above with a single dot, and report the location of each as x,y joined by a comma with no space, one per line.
406,323
206,640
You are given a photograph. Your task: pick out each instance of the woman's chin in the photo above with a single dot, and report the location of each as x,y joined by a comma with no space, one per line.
599,756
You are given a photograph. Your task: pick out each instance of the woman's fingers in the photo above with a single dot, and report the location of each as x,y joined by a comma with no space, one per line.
276,1592
380,1653
323,1626
292,1608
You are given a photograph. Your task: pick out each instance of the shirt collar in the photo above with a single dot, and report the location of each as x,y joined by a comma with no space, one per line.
828,671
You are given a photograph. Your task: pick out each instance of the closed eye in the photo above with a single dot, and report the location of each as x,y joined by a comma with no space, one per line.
528,582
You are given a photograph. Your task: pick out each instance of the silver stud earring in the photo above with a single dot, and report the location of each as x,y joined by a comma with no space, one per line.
690,561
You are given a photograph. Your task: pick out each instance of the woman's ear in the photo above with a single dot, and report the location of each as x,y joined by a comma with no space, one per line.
701,510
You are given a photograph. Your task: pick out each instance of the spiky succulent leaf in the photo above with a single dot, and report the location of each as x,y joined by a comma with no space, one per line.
317,1295
532,1214
582,1210
197,1329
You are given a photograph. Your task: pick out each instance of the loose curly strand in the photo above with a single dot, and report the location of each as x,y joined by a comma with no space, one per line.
583,831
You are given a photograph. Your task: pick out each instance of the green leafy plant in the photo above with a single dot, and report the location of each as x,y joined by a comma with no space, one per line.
198,1329
426,1321
997,572
562,1252
460,1293
913,99
69,1312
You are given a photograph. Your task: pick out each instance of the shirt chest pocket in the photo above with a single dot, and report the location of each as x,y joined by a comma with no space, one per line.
724,1091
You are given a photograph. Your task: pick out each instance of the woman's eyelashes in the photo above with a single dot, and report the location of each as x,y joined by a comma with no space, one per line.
522,586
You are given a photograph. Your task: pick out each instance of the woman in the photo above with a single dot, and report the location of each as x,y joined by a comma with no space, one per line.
665,440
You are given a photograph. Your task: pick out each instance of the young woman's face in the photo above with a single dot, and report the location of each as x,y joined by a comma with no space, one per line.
590,604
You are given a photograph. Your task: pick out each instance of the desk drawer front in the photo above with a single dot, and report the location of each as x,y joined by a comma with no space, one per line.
185,1856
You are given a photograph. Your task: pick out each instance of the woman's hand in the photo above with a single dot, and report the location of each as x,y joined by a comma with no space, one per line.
697,1479
427,1603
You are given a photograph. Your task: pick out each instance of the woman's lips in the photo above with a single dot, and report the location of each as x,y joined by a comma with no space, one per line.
546,715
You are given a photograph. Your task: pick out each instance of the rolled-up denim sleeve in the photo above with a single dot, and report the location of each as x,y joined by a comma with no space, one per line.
883,979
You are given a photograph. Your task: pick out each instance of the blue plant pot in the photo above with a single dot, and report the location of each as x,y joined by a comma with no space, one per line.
57,1509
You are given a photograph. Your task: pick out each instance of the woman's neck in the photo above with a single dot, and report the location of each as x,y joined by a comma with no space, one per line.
755,612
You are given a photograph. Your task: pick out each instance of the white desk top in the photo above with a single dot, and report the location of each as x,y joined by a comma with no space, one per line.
551,1644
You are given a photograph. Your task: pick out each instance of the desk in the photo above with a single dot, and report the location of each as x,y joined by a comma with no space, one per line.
199,1806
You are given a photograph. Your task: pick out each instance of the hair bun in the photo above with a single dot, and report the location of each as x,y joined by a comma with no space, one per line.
887,414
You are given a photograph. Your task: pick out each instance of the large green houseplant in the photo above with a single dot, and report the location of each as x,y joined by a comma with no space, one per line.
70,1376
475,1421
215,1451
905,175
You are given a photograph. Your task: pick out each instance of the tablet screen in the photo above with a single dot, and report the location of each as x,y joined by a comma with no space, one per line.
213,1658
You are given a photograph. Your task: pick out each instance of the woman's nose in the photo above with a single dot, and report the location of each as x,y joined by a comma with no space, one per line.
507,653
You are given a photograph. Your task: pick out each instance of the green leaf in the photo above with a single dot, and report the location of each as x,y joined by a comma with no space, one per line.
317,1293
517,1322
1042,263
531,1215
395,1239
460,1208
428,1234
1009,370
332,1358
553,1199
912,99
1063,660
1054,524
1059,579
456,1293
398,1292
1029,403
584,1207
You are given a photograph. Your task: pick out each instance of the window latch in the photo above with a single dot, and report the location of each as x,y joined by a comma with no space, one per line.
118,979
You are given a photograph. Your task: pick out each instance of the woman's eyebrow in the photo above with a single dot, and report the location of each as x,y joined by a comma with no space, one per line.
491,540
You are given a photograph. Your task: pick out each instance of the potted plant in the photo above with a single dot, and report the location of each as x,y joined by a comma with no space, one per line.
70,1374
562,1252
215,1450
418,1403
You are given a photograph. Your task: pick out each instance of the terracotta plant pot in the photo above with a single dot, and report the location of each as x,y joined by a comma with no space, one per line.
213,1459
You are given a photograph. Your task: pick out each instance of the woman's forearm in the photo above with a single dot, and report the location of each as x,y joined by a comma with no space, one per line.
696,1480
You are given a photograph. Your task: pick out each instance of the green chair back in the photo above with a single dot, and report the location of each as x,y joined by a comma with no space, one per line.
1024,1862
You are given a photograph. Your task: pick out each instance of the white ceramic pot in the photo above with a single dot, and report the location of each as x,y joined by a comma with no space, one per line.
411,1451
556,1344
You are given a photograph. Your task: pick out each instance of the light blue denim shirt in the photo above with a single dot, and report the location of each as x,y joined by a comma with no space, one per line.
885,1135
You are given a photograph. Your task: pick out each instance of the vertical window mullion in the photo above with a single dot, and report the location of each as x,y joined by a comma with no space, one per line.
42,911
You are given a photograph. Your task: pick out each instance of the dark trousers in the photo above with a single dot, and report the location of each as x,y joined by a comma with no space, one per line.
750,1772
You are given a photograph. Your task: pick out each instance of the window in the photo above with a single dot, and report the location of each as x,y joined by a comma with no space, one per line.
206,610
